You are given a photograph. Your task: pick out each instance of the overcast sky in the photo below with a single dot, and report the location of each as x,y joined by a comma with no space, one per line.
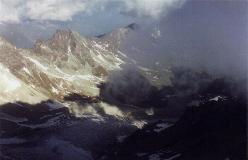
25,21
211,31
209,35
65,10
93,16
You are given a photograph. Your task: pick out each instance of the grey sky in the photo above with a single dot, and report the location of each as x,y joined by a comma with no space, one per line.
203,33
32,19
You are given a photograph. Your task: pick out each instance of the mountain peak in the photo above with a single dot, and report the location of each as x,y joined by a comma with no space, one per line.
60,40
132,26
62,34
120,31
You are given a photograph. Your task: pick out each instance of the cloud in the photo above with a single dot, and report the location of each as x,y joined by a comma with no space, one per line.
14,11
9,10
61,10
151,8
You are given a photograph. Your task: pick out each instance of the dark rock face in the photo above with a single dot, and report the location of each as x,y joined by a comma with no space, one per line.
21,119
214,130
214,127
81,99
49,131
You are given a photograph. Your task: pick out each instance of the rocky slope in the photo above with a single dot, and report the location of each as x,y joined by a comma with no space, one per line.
73,97
214,128
50,98
66,63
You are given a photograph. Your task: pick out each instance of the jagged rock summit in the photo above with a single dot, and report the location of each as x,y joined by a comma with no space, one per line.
64,64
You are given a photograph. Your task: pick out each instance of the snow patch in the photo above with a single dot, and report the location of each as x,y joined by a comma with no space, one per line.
150,112
139,124
37,63
162,126
54,90
100,46
26,70
173,157
69,50
155,77
217,98
121,53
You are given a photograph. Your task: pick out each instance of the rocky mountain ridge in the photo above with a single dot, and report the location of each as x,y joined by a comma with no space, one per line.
66,63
